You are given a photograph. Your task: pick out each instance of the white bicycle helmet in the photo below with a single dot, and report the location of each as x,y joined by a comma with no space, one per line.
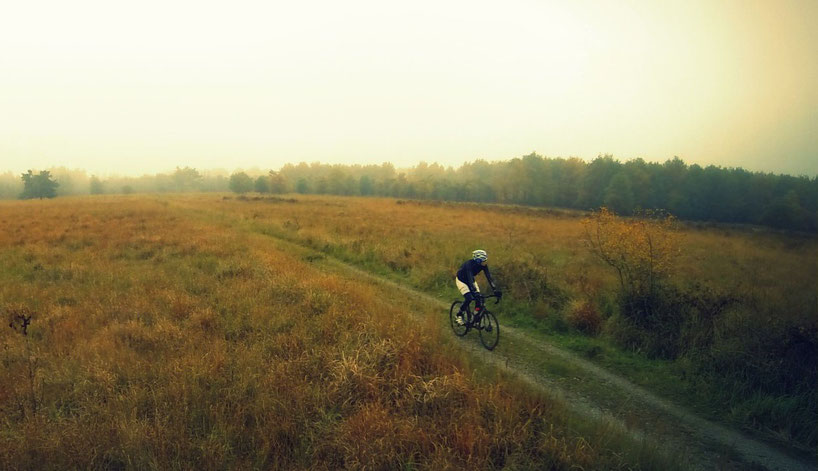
479,255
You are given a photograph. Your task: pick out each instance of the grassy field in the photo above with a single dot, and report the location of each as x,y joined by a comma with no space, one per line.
169,333
746,331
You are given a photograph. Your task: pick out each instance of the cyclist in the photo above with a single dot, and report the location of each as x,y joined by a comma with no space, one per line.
468,287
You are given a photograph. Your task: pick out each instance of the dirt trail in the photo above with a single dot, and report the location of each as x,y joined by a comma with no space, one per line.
595,392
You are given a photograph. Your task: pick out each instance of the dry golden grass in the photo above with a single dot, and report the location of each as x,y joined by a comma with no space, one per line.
163,341
752,346
428,239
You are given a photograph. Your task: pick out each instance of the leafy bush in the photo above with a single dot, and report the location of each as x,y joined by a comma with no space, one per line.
670,322
649,323
766,367
641,250
583,316
529,281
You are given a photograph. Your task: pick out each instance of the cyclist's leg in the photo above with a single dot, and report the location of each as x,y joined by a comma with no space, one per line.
467,295
478,299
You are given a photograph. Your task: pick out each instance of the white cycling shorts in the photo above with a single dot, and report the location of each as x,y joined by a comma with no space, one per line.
463,287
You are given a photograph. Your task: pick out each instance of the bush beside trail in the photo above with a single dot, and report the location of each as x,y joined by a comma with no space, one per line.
730,317
764,366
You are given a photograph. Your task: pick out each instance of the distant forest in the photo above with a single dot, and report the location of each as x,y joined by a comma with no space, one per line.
690,192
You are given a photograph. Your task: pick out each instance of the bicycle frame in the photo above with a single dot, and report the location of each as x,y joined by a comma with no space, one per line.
482,320
477,316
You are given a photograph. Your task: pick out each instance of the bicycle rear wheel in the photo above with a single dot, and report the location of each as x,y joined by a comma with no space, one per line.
489,330
459,330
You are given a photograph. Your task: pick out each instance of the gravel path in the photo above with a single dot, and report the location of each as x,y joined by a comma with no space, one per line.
593,391
597,393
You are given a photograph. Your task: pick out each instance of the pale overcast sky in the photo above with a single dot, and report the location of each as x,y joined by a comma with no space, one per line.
119,87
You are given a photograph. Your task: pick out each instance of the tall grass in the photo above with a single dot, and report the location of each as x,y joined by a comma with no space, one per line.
742,303
159,341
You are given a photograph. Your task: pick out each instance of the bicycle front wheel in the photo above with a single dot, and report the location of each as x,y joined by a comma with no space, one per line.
489,330
459,330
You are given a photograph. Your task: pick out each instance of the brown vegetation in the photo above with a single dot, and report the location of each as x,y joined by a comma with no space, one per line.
736,309
158,340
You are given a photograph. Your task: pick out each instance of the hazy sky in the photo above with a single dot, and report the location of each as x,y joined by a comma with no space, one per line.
142,87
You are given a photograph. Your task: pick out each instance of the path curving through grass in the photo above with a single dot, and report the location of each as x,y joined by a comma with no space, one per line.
594,392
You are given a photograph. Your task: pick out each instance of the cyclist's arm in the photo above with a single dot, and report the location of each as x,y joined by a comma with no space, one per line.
490,279
471,282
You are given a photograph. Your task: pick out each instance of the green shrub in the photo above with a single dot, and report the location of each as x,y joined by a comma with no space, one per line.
668,322
583,316
529,281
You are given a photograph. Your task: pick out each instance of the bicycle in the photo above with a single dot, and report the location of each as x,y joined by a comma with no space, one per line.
483,320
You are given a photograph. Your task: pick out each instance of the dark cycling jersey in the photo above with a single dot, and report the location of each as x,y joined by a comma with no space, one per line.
469,270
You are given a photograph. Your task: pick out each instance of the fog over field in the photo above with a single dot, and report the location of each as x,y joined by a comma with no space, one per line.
116,89
233,235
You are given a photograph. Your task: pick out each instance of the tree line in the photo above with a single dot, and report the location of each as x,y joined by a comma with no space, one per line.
75,182
690,192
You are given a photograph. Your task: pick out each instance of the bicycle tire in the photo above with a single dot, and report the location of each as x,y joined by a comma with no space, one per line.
459,330
489,330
